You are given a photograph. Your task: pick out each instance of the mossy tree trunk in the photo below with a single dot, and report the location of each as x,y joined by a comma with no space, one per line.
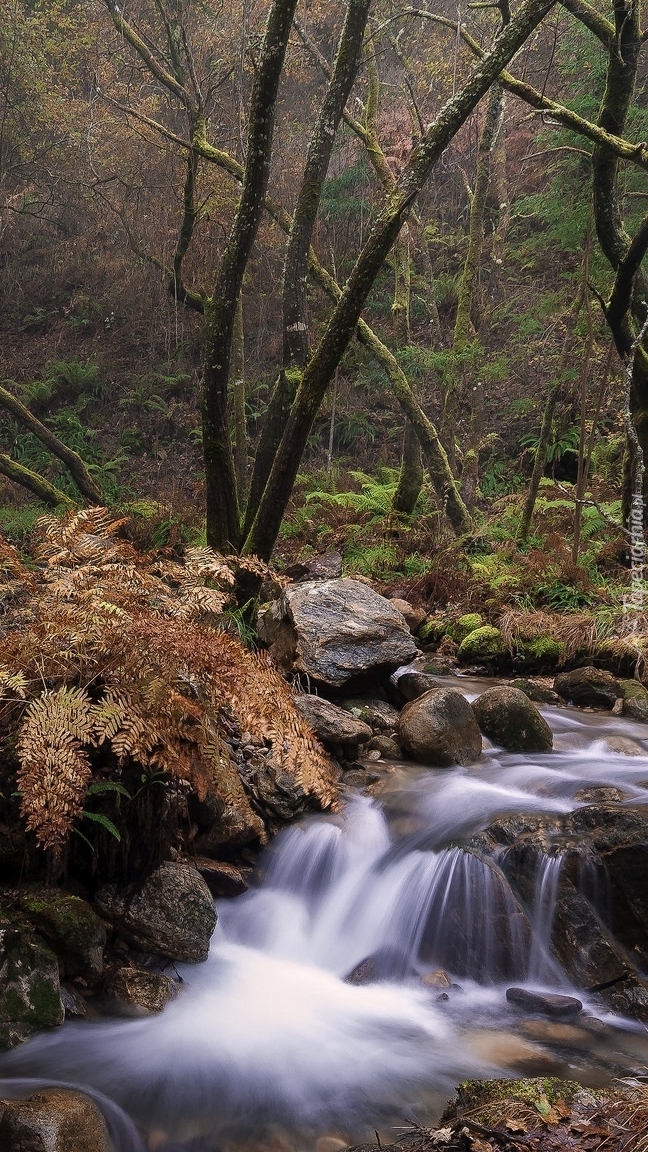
321,367
86,485
34,483
223,526
295,272
626,309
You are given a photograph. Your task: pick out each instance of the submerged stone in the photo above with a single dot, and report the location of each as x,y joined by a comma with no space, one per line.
546,1003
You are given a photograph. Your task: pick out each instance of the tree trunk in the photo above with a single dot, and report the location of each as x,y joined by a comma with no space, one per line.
27,479
73,462
295,273
320,369
223,527
410,480
237,403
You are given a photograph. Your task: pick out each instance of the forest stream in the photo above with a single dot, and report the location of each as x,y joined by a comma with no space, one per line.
270,1036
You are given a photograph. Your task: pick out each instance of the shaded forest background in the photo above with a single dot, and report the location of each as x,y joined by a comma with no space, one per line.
493,331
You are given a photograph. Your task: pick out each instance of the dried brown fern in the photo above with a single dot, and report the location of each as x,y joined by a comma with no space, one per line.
55,768
115,660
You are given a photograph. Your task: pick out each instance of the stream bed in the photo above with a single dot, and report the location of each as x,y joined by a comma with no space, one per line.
269,1040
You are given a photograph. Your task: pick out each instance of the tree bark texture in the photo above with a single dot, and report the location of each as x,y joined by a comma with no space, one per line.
45,491
223,527
295,272
320,369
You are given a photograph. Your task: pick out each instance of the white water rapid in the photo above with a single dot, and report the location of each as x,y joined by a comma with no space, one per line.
267,1032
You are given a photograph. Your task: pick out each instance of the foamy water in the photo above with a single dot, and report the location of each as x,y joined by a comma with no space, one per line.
267,1031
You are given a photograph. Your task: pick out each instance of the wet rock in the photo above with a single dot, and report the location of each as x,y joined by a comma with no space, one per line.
482,646
414,617
363,973
439,728
332,725
512,721
538,693
389,749
75,1006
635,700
221,877
71,926
545,1003
436,979
378,714
359,778
411,685
336,631
53,1120
603,795
588,687
617,838
143,992
172,914
30,992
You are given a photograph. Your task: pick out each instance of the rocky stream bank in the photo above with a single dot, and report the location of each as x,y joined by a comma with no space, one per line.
374,709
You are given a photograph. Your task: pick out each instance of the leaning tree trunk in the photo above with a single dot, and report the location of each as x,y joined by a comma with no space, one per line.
321,368
73,462
35,483
295,273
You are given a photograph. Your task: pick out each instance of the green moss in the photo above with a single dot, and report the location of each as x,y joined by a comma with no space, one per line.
484,643
633,690
465,625
543,649
431,631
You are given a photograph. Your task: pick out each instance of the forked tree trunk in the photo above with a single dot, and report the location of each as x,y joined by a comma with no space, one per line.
321,368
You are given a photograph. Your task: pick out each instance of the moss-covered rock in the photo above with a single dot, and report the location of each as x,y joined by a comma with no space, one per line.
510,720
30,992
431,630
635,700
465,625
482,645
71,926
542,651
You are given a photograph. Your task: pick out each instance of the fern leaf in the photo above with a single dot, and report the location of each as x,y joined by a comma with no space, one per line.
54,767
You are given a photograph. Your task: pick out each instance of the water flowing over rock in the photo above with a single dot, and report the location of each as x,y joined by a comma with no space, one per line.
588,687
172,913
512,721
440,728
336,631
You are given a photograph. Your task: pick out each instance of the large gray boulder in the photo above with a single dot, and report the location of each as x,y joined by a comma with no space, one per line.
439,728
172,914
511,720
335,631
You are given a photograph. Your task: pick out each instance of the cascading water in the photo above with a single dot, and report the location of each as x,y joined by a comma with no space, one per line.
269,1031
